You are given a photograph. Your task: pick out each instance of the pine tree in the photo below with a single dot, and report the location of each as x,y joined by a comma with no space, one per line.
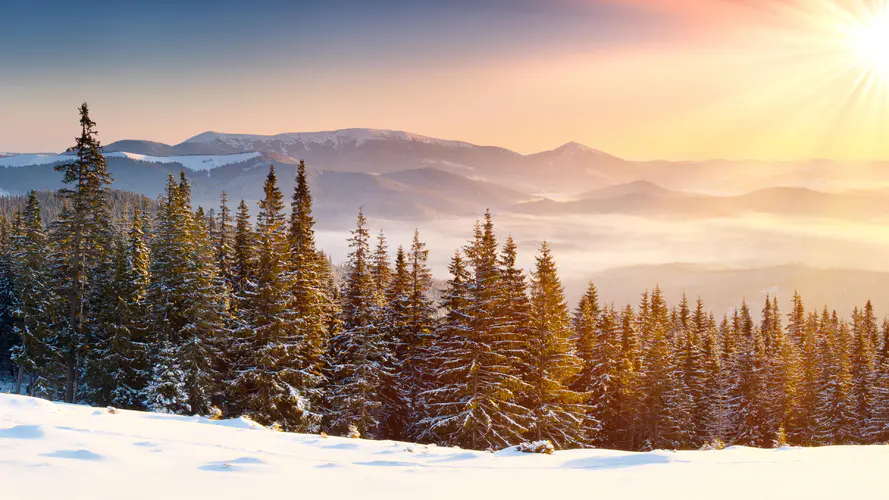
797,321
414,315
7,296
450,356
691,331
630,402
314,305
186,302
658,375
223,244
204,336
475,399
515,310
835,416
359,353
271,384
34,298
396,335
597,344
782,372
166,391
863,373
88,242
244,264
698,359
880,421
711,406
559,413
750,407
118,370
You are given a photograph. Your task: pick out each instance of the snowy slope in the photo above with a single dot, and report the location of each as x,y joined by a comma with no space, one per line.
50,450
194,162
32,159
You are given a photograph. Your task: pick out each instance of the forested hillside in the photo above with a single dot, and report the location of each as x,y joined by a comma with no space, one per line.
237,312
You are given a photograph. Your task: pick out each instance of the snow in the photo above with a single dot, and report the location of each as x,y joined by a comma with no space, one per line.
193,162
33,159
53,450
356,136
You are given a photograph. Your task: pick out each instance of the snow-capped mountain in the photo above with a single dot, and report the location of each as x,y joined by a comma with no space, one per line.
571,166
191,162
430,176
334,138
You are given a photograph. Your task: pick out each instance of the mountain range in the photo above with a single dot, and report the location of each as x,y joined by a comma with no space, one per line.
401,175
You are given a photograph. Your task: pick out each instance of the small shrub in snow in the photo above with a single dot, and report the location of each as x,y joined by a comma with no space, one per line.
353,432
323,435
716,444
215,413
544,447
781,439
112,410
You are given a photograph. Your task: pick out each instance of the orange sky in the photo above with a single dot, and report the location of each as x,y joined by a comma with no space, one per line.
675,79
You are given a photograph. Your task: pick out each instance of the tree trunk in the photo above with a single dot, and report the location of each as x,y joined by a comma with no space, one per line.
18,379
69,378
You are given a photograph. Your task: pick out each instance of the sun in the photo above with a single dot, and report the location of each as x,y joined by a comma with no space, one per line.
870,40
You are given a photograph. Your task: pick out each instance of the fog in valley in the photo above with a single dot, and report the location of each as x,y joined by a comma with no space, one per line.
832,261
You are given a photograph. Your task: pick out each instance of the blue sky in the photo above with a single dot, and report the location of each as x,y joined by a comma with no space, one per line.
49,36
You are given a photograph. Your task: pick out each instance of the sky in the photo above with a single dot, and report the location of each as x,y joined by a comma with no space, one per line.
641,79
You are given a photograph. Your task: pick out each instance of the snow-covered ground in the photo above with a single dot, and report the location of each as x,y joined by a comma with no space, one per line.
194,162
51,450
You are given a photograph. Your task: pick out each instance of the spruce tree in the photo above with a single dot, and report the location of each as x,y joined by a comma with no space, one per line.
314,305
397,334
559,413
271,384
244,264
187,306
33,301
630,402
223,244
204,337
7,296
752,426
119,369
89,241
658,376
515,310
359,355
450,356
475,400
597,344
863,373
421,322
835,417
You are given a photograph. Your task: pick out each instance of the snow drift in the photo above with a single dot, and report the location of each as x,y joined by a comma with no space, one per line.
53,450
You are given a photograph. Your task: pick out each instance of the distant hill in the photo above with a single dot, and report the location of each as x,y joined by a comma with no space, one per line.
647,188
647,199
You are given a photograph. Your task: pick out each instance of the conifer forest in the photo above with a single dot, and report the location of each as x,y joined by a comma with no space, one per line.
112,299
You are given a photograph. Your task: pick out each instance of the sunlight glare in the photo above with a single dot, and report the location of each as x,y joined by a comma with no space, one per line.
871,41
